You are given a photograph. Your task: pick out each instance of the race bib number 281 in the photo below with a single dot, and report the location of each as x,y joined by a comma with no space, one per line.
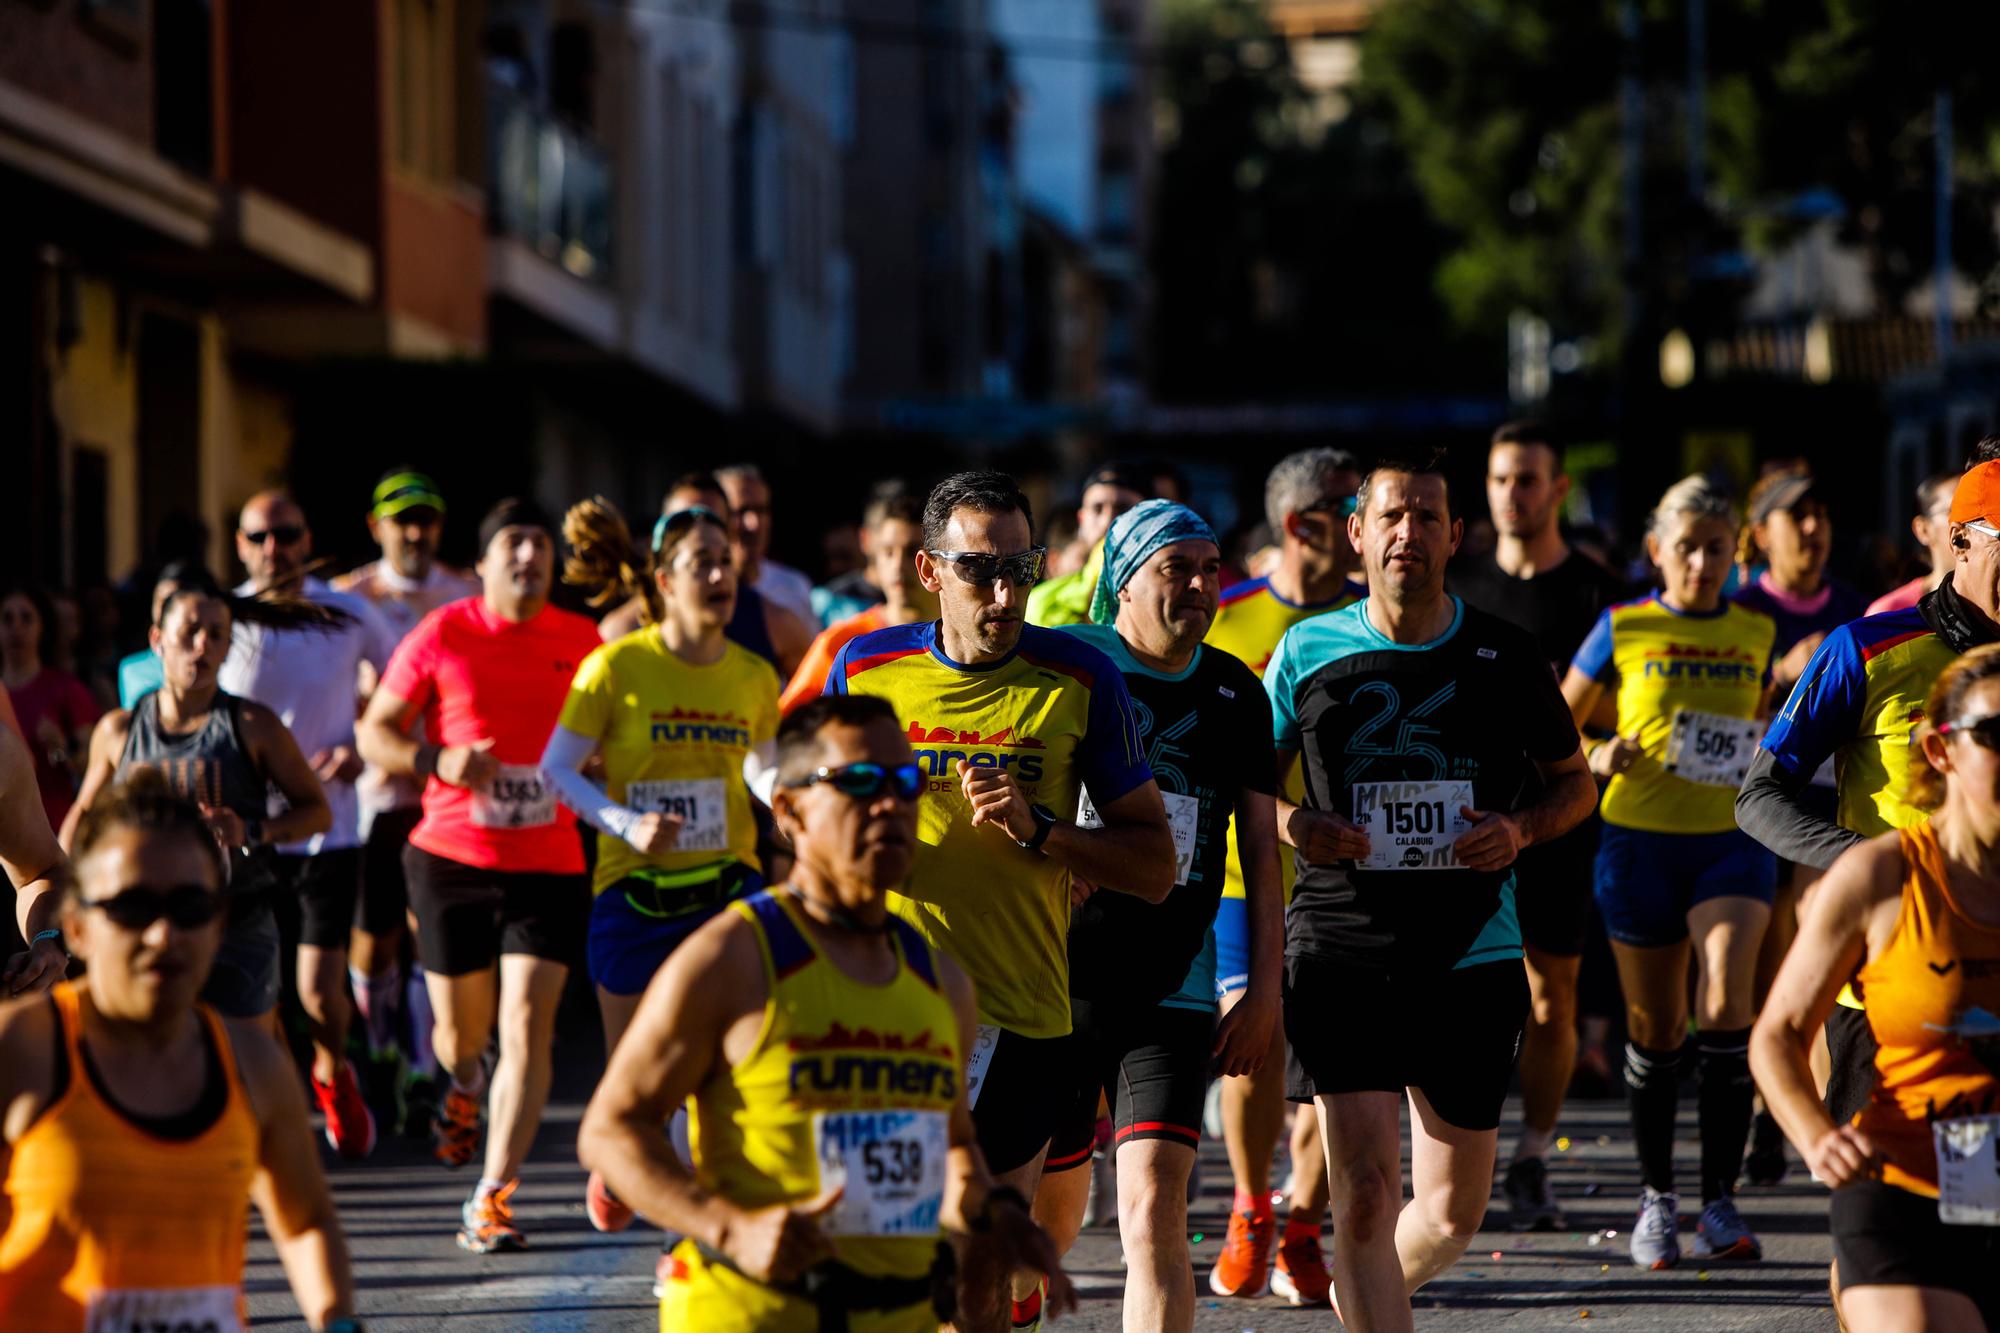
1411,825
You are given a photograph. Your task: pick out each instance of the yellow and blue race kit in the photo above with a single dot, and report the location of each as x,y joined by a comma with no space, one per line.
1249,621
1689,685
1055,713
847,1086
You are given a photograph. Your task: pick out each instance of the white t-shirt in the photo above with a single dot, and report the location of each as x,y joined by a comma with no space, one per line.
788,588
311,679
402,603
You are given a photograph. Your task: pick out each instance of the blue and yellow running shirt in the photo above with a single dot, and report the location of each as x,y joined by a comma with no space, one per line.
1055,714
1859,703
1409,731
1688,684
674,734
1249,621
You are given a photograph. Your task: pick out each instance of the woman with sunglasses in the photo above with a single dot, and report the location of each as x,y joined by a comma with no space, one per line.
677,711
139,1124
1913,916
1679,885
225,754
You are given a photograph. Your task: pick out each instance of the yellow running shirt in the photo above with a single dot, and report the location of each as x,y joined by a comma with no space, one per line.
1688,684
1056,715
844,1073
1249,622
673,735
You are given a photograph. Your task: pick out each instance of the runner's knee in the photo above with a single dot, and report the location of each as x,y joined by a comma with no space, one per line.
1365,1201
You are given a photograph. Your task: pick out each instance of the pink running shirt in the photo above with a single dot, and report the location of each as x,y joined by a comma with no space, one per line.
480,677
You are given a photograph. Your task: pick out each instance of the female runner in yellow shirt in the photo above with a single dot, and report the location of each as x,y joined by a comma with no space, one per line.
1677,882
683,719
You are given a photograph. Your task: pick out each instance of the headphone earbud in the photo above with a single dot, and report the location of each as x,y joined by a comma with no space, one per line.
1959,543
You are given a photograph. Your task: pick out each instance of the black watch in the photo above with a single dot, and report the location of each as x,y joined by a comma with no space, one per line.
1045,819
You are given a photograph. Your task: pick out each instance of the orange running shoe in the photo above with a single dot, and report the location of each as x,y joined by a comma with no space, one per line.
1300,1275
350,1125
455,1129
489,1221
604,1209
1246,1255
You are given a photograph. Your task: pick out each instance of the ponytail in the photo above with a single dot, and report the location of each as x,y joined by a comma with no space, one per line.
605,562
273,608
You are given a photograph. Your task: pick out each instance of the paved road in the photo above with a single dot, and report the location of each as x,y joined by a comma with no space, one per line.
401,1210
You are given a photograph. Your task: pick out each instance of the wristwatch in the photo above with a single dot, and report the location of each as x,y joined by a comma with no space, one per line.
1045,819
253,834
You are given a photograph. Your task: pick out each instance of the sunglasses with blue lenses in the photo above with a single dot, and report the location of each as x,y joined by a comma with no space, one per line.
864,782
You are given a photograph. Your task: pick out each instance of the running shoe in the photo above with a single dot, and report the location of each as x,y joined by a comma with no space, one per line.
1028,1314
1100,1206
1720,1234
489,1222
603,1208
350,1125
1531,1202
1656,1235
1300,1275
666,1270
1766,1163
1246,1255
455,1131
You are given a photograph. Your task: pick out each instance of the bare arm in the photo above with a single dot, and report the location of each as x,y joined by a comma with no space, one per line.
1132,853
107,743
289,1189
791,637
1243,1037
32,858
385,737
1321,836
277,756
1856,898
1586,697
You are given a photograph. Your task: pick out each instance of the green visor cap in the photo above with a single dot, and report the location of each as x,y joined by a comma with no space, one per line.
406,490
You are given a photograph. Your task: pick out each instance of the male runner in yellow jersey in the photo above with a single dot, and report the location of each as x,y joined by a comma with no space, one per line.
1011,724
1306,500
822,1044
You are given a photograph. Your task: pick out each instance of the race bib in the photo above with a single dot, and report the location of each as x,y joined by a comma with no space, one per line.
985,1038
701,802
1711,749
165,1310
517,798
891,1167
1183,820
1968,1171
1411,825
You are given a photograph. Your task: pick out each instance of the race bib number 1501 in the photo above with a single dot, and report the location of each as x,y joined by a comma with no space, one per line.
1411,825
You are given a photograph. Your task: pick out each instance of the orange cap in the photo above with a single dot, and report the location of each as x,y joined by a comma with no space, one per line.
1978,494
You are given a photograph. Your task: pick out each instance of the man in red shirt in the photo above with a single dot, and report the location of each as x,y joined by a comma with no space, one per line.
495,866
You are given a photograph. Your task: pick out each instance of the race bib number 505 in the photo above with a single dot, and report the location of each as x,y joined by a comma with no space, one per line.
1411,825
890,1167
1711,748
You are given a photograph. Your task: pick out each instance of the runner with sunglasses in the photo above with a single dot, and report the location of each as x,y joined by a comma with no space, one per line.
1682,890
1142,976
1010,724
406,519
821,1042
495,865
227,755
676,711
1914,915
140,1124
1307,499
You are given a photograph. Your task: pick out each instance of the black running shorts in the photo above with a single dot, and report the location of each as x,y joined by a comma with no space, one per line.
385,893
1018,1096
1889,1237
1552,888
1152,1065
324,888
1455,1034
468,916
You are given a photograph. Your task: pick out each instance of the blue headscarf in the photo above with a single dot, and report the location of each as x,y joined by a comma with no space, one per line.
1135,536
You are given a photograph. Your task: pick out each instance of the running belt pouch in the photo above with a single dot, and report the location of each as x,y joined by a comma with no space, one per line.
674,894
836,1291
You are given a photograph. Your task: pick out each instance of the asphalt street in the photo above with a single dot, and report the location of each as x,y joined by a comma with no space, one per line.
400,1209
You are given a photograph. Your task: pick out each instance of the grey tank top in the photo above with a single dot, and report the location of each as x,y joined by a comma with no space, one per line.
211,765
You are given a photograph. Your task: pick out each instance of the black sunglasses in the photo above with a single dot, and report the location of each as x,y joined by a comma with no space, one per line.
864,782
978,567
1983,730
284,534
188,907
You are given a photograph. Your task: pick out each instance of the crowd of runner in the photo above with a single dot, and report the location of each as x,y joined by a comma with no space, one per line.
924,905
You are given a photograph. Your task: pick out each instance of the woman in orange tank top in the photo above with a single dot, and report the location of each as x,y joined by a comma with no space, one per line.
135,1123
1914,917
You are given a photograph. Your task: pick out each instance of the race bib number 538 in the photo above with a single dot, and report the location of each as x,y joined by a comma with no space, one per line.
1411,825
890,1167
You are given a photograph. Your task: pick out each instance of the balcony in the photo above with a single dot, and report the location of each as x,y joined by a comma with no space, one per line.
551,186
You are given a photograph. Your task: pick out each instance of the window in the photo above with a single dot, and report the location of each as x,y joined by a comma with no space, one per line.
423,87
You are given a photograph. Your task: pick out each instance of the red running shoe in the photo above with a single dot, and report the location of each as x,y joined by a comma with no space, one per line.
1300,1275
1246,1255
603,1208
350,1125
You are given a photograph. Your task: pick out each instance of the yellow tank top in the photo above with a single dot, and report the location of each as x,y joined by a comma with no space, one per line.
1934,1006
848,1084
112,1227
